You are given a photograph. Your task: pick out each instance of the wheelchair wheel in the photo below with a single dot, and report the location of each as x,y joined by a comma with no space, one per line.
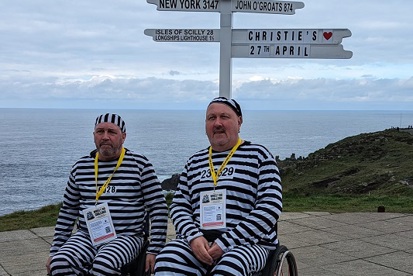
286,265
281,262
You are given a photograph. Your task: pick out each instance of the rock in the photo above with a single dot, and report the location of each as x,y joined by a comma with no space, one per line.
170,183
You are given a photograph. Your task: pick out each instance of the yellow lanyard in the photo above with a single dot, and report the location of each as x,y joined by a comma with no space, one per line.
103,188
215,175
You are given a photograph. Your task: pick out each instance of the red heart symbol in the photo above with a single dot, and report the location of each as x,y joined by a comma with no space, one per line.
327,35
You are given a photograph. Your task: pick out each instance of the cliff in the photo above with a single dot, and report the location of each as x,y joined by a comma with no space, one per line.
369,163
379,163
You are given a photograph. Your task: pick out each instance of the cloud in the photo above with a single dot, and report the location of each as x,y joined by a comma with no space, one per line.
176,94
95,53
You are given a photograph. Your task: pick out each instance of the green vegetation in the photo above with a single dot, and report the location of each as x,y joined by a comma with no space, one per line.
342,203
356,174
371,164
42,217
47,216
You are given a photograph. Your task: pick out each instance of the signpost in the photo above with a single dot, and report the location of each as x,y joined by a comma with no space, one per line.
251,43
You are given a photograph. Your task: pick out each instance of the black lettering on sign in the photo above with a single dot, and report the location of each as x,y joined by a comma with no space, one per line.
243,5
210,4
288,7
167,4
255,50
190,4
291,50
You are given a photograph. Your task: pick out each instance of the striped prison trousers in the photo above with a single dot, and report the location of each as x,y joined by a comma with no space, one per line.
176,258
79,257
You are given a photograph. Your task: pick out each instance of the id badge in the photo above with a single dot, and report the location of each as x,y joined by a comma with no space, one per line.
99,223
213,215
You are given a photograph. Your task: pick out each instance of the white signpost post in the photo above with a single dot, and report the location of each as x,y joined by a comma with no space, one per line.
251,43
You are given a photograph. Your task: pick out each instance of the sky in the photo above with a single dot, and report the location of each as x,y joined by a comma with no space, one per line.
94,54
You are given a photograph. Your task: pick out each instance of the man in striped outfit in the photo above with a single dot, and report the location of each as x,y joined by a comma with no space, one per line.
227,203
108,193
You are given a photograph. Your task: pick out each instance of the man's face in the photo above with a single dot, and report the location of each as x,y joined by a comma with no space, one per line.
108,140
222,126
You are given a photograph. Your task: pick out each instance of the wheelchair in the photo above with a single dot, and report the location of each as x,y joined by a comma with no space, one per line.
281,262
137,266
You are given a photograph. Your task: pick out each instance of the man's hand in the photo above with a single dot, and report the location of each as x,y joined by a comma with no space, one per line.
215,251
150,262
48,265
200,248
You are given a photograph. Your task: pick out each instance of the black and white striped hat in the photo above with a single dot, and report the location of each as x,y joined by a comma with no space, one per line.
230,102
111,118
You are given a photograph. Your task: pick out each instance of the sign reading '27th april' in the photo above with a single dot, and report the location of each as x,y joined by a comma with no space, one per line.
255,6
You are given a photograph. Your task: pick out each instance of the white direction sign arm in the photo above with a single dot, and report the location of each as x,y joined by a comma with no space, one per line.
183,35
269,50
251,36
186,5
266,6
293,36
252,6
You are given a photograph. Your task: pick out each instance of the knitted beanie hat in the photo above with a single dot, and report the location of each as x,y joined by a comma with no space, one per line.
111,118
230,102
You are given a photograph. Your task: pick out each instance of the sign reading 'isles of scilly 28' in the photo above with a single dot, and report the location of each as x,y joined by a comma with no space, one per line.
255,6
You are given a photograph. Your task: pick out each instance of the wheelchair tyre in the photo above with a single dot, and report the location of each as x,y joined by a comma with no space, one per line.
285,262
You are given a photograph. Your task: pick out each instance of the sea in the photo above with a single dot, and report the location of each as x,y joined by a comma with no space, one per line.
39,146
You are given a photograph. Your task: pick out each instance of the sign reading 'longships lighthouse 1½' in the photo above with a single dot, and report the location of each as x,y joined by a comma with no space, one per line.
252,43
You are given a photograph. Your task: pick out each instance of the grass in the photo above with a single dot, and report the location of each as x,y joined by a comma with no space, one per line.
47,215
347,203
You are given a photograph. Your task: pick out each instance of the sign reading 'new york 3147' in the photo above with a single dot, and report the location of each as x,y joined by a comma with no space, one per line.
255,6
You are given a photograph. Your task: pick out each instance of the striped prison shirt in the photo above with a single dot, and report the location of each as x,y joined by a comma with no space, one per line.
253,196
133,191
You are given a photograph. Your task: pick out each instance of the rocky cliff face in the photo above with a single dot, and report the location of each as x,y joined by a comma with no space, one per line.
379,163
170,183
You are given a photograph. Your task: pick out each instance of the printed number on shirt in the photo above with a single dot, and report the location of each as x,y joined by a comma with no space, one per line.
110,189
227,171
